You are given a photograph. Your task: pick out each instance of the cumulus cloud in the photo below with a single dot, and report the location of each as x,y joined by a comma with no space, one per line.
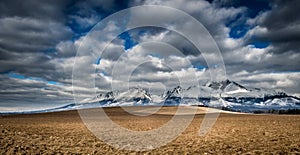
282,81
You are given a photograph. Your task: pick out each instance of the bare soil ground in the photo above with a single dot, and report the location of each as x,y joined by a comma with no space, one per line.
65,133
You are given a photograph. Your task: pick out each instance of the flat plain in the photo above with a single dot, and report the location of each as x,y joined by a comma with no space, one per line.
233,133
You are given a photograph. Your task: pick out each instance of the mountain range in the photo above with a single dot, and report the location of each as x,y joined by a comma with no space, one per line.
219,94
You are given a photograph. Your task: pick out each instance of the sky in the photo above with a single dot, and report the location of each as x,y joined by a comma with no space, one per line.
259,41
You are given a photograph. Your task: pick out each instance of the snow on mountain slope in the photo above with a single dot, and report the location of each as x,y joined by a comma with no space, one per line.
176,92
229,88
221,103
182,96
106,96
134,94
287,101
237,91
226,85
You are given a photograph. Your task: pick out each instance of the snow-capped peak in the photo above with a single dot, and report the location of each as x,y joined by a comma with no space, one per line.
134,94
103,96
223,85
176,92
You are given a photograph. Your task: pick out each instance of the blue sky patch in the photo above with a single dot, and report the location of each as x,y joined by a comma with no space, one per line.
238,31
260,44
98,61
199,67
54,83
128,41
19,76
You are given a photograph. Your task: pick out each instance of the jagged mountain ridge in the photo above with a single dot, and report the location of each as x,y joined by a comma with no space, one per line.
226,93
222,85
131,95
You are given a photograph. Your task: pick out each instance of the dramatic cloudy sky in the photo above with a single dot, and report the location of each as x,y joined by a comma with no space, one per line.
259,41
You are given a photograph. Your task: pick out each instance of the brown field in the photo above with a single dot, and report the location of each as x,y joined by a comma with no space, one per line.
65,133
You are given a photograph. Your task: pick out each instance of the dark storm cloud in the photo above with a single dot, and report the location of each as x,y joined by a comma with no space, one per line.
30,91
33,65
280,26
32,26
284,13
31,35
170,37
38,9
29,32
254,7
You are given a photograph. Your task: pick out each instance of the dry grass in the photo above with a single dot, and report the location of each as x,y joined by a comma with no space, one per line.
64,132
